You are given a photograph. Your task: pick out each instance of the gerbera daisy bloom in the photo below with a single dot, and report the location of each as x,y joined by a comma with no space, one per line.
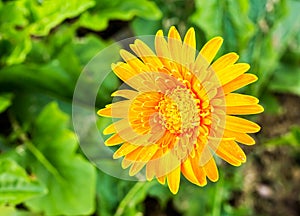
179,109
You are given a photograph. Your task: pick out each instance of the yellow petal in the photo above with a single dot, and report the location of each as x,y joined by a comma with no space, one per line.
125,149
144,155
124,71
198,171
188,172
175,45
239,137
105,112
109,129
162,49
117,110
235,99
161,179
231,72
231,152
152,166
126,93
114,140
173,33
211,170
146,54
131,157
126,163
189,47
124,129
228,158
211,48
239,82
137,65
224,61
190,38
241,125
174,180
244,110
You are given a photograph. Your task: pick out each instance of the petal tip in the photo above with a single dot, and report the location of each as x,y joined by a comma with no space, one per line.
159,33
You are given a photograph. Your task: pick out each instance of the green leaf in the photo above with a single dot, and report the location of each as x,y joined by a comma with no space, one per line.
15,185
15,41
97,19
220,18
19,20
7,210
278,28
138,26
49,14
47,77
5,101
69,177
13,211
286,80
86,48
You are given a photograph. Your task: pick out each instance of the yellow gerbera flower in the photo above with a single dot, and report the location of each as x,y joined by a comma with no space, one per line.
179,109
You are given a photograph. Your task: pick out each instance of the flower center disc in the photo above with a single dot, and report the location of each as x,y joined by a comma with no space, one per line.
179,110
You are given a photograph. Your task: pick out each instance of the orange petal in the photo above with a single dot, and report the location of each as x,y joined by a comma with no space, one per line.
125,149
235,99
190,38
161,179
173,33
244,110
174,180
188,172
106,112
130,158
211,170
109,129
144,155
114,140
198,171
211,48
231,72
152,166
239,82
241,125
228,158
232,151
239,137
224,61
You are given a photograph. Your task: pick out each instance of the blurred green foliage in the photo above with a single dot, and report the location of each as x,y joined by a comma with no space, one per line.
44,46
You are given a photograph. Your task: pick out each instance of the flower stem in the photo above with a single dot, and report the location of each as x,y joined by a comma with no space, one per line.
218,199
128,199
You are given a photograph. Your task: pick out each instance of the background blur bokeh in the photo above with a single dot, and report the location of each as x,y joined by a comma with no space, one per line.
44,45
